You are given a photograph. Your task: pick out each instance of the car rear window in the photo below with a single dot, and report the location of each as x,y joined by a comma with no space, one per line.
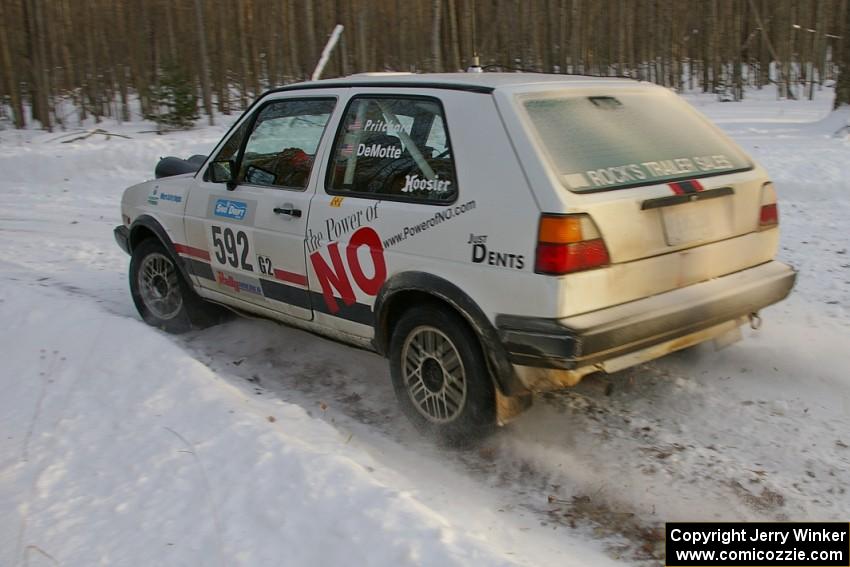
626,140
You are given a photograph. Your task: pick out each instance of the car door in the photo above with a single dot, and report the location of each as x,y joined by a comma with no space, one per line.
389,182
251,230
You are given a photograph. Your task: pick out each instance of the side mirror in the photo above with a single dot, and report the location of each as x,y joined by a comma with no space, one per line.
223,172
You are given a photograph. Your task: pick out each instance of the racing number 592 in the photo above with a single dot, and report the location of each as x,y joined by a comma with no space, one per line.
231,247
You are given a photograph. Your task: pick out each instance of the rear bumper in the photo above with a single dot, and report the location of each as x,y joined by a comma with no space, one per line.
122,237
582,341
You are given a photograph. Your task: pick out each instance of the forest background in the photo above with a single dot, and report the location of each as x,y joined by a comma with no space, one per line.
63,61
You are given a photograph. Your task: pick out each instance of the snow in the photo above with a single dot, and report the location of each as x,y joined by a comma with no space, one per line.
255,444
126,450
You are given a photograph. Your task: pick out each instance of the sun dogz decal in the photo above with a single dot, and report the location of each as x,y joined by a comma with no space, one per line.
230,209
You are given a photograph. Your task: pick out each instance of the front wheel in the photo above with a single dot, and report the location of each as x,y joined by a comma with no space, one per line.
162,296
440,375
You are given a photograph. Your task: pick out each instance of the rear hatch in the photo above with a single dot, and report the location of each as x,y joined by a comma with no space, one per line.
675,201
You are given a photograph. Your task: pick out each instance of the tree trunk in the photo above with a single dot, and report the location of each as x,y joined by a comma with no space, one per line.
362,53
205,64
562,36
842,87
38,73
310,27
342,18
737,61
620,35
575,38
435,37
454,42
223,77
243,52
12,82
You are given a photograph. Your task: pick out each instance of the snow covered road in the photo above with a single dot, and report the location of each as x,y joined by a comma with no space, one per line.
251,443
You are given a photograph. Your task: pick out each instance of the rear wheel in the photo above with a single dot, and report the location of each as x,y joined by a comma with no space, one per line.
162,296
440,375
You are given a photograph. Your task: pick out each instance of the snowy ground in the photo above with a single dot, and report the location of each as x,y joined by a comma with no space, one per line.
255,444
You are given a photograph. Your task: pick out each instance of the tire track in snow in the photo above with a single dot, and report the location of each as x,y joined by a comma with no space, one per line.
350,389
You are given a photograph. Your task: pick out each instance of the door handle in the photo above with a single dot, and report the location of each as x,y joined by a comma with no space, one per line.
288,210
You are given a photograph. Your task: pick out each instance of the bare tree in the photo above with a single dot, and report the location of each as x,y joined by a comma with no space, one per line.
13,85
435,36
842,88
205,65
100,55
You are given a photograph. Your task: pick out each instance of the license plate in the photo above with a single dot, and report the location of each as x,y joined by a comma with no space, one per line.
701,221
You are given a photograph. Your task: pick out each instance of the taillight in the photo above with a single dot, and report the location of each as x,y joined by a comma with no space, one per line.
768,216
569,243
768,210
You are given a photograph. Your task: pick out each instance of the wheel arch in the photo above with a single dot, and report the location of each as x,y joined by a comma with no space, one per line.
146,226
400,290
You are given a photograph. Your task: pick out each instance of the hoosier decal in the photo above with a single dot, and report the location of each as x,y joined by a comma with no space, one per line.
414,183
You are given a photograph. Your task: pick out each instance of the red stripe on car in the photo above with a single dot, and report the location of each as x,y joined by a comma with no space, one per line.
676,188
192,251
290,277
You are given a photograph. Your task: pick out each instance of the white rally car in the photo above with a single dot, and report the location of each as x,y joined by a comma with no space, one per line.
493,235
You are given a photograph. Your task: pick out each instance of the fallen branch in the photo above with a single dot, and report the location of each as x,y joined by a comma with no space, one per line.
163,131
65,135
94,132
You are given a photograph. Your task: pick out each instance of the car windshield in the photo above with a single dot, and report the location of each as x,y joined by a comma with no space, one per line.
629,139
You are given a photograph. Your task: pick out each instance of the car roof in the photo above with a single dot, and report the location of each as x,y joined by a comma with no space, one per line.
474,82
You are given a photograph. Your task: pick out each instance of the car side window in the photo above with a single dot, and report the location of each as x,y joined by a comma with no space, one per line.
282,145
393,147
228,152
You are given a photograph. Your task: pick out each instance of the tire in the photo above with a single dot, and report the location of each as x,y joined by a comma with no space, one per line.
440,376
162,296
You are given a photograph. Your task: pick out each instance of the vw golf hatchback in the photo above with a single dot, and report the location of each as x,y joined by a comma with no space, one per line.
493,235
